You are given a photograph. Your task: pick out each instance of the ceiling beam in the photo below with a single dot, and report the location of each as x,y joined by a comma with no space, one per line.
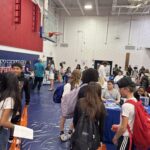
64,7
128,6
133,13
77,8
97,8
81,9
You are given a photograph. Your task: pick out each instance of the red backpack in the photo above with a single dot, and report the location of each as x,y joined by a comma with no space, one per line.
141,127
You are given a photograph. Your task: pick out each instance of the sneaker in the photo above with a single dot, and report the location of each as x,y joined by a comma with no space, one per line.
10,140
63,137
50,89
69,134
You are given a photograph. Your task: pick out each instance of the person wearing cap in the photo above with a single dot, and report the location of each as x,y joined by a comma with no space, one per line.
121,139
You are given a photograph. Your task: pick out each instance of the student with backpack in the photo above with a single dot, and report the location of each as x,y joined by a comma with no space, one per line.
10,102
134,128
89,75
73,83
122,137
88,119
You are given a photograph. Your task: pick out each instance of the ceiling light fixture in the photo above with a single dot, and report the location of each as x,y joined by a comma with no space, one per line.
88,6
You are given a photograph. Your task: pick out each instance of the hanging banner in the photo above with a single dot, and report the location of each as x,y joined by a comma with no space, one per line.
7,58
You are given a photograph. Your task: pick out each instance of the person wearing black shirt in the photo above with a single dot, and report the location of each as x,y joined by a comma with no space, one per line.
24,86
23,82
93,109
88,76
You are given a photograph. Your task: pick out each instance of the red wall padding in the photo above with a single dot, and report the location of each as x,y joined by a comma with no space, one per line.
19,35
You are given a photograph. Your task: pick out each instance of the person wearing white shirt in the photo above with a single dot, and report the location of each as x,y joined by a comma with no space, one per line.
51,76
102,70
118,77
10,103
121,138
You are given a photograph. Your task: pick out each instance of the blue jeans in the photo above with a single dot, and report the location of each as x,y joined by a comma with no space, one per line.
3,138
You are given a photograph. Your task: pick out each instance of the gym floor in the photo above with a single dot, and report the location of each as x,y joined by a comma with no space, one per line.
43,118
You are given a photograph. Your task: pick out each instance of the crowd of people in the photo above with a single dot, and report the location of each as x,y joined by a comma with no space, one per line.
90,106
93,87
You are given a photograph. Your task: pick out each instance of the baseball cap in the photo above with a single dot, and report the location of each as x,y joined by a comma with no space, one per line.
125,82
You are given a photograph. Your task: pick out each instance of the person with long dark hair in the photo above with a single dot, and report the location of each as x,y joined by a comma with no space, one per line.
24,88
92,103
78,67
10,102
89,75
92,106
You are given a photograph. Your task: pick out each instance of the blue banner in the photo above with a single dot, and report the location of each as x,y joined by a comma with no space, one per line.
7,58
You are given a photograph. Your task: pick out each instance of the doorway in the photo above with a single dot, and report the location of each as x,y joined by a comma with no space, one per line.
109,66
49,60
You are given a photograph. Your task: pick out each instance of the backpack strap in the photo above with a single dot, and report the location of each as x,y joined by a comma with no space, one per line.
128,127
131,102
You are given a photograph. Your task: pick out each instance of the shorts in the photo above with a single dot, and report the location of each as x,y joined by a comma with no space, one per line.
124,143
51,76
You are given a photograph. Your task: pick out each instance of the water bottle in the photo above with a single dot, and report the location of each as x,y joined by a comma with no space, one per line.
142,98
146,102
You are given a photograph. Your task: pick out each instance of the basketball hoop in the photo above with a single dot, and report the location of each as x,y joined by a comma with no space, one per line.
54,33
50,36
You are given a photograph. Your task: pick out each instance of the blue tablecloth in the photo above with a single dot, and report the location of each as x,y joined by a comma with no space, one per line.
113,117
148,109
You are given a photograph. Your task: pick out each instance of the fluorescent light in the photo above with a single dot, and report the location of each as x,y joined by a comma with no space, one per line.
88,6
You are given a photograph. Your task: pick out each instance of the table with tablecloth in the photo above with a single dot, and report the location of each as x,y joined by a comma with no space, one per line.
113,117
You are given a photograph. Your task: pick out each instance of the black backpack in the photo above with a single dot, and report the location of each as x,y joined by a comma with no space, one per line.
86,135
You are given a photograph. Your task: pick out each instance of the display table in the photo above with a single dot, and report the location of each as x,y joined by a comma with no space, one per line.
113,117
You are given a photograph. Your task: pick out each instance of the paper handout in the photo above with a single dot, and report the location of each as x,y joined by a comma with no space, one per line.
23,132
